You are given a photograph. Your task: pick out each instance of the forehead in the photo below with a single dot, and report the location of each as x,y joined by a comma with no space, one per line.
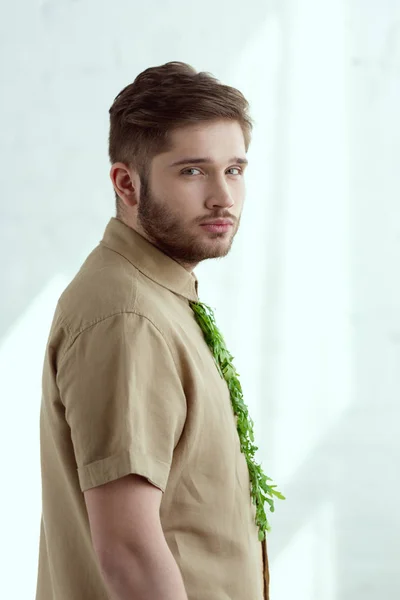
218,139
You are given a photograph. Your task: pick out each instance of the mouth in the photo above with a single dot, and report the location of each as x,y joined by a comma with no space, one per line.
218,225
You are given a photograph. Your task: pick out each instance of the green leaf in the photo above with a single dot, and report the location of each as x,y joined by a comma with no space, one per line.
245,425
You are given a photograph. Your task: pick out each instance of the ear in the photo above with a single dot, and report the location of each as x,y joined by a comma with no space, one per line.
126,183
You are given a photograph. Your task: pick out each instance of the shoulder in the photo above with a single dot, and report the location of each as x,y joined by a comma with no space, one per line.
106,284
109,297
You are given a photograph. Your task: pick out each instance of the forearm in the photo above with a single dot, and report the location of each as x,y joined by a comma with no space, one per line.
149,574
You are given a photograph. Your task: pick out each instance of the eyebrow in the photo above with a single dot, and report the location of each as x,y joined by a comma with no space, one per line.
206,159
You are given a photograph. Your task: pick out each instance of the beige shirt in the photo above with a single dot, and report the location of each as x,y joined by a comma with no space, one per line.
130,386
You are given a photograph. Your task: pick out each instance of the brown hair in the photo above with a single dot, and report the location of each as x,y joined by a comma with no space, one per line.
165,98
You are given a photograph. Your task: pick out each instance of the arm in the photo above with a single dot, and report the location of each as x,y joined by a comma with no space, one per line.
127,536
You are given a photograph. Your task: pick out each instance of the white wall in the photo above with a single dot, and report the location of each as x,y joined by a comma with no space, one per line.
309,296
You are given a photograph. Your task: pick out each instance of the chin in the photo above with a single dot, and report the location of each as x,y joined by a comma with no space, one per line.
218,250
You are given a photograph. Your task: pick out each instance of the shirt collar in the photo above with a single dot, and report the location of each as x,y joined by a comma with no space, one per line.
149,260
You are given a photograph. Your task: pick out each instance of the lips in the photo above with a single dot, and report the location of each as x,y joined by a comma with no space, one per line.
218,222
219,226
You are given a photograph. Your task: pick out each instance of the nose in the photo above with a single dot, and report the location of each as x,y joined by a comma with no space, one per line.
219,196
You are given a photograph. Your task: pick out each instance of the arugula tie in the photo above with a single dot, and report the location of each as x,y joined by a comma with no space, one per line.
260,490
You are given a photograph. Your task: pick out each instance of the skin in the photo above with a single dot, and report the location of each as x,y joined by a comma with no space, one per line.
169,206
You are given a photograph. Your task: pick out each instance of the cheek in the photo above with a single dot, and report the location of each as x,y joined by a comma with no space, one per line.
239,194
190,194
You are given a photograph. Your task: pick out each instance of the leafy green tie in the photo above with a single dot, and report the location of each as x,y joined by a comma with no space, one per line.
260,491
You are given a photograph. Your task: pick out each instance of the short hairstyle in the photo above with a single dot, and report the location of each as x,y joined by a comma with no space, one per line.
162,99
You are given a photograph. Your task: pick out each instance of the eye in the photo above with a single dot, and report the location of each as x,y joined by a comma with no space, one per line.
239,171
187,171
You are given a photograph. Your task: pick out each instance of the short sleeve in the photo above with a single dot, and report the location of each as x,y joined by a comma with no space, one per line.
124,401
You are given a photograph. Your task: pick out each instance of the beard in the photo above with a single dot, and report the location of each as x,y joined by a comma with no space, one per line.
166,230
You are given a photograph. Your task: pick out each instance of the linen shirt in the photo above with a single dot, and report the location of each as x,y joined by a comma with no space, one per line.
130,387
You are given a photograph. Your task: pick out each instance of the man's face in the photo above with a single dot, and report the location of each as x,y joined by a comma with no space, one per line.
179,201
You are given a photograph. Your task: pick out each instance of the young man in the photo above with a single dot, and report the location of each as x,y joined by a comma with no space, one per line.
146,492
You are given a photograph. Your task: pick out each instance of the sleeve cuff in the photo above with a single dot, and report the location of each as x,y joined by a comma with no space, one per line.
129,462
